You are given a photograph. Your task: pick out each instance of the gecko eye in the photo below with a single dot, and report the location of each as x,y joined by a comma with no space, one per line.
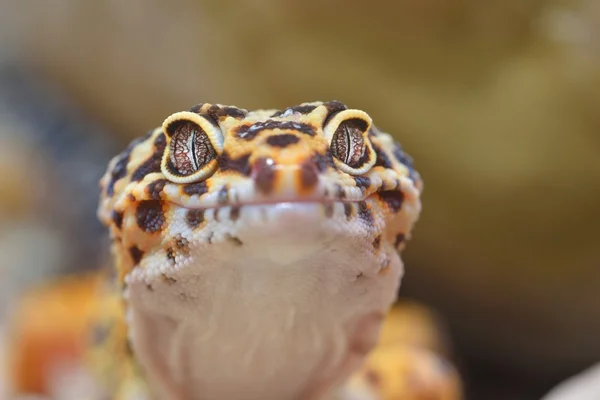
193,145
349,141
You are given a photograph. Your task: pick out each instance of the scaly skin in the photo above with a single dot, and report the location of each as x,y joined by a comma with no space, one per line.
271,236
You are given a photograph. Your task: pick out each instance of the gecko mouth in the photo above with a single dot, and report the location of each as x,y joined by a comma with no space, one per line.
325,202
261,212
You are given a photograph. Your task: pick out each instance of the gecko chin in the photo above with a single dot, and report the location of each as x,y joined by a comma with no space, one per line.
321,275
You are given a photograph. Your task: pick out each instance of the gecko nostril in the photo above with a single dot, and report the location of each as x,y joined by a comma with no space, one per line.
263,172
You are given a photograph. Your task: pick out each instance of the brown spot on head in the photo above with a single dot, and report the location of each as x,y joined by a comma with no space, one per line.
194,218
393,199
240,164
264,175
197,188
333,108
117,218
155,188
309,175
244,132
218,113
120,168
136,254
152,164
119,171
282,140
196,109
303,109
150,216
250,131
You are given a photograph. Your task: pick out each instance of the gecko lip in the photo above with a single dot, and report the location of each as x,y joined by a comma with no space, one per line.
274,203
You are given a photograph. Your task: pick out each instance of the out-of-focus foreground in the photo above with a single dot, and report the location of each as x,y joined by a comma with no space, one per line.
497,102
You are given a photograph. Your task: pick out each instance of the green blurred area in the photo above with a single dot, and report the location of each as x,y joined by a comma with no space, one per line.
497,101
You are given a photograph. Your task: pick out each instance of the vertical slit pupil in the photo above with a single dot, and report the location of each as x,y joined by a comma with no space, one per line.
348,143
190,148
193,148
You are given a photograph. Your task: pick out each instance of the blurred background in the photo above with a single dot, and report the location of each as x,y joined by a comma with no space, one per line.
496,100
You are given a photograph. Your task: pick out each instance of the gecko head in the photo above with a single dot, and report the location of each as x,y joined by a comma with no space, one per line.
223,176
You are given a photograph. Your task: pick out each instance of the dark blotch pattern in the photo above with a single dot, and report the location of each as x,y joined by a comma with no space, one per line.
150,216
264,175
305,109
152,164
333,108
309,175
362,182
323,161
282,140
240,164
119,171
365,214
198,188
136,254
194,218
393,199
407,161
117,218
196,108
217,112
382,158
249,132
155,188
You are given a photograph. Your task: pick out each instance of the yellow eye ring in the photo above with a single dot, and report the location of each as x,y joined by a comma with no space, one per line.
348,136
193,146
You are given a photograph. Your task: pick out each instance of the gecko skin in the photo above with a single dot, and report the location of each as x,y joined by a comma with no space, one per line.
256,252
